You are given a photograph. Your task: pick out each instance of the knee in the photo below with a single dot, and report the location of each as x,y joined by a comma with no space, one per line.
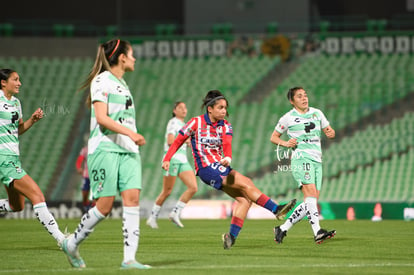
245,203
37,198
105,210
166,192
192,189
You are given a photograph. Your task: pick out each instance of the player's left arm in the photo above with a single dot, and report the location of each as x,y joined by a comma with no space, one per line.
25,125
227,149
326,127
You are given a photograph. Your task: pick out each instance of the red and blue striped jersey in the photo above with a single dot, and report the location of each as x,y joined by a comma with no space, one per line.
210,142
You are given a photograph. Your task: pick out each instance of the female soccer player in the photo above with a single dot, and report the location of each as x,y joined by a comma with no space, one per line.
179,166
211,137
18,184
303,125
114,162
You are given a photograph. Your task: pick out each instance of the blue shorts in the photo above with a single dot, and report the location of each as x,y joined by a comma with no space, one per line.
86,184
213,174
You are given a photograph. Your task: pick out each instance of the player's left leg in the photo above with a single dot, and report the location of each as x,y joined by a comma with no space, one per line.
130,183
241,207
189,179
238,181
28,188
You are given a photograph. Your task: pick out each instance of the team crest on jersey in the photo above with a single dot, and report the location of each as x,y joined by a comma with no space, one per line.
307,176
100,187
222,169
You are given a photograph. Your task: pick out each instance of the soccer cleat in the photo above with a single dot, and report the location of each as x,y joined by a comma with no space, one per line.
152,222
279,234
134,265
283,209
65,234
324,235
175,219
73,255
228,240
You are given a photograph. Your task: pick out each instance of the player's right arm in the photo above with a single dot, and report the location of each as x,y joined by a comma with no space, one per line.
105,121
182,136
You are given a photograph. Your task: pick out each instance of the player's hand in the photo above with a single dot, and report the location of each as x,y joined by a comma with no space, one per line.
188,142
329,132
291,143
137,138
37,115
225,161
165,165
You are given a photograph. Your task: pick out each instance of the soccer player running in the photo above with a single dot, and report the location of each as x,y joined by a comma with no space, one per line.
211,137
179,166
19,185
114,161
303,125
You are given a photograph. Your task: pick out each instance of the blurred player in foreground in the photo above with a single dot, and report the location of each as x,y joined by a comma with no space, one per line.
114,162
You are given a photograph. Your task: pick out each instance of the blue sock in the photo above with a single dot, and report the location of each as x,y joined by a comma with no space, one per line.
267,203
236,226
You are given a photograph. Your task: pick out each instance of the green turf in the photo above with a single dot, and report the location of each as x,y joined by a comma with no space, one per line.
360,247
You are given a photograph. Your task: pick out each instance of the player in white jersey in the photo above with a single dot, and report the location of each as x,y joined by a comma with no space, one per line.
179,167
304,125
114,162
18,184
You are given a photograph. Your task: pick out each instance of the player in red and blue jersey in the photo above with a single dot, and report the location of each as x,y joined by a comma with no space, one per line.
211,137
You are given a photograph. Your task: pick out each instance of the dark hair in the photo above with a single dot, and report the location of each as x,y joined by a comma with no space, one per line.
211,99
175,106
106,57
292,91
5,74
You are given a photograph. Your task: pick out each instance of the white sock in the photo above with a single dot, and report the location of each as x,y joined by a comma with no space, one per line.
130,228
313,214
298,214
5,206
48,221
178,207
155,211
88,221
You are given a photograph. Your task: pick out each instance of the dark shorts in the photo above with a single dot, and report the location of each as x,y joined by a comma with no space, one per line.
86,184
213,174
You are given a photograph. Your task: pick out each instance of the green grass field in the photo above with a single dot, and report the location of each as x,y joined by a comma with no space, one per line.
360,247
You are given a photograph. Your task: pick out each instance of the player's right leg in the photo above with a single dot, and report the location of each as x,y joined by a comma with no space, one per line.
238,181
168,182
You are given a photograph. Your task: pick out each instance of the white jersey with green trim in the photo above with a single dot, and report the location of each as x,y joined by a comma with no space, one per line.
306,129
10,114
106,88
174,125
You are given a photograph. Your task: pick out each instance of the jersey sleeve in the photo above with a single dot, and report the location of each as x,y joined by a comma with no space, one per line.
227,139
79,161
171,127
20,109
98,90
282,125
324,121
